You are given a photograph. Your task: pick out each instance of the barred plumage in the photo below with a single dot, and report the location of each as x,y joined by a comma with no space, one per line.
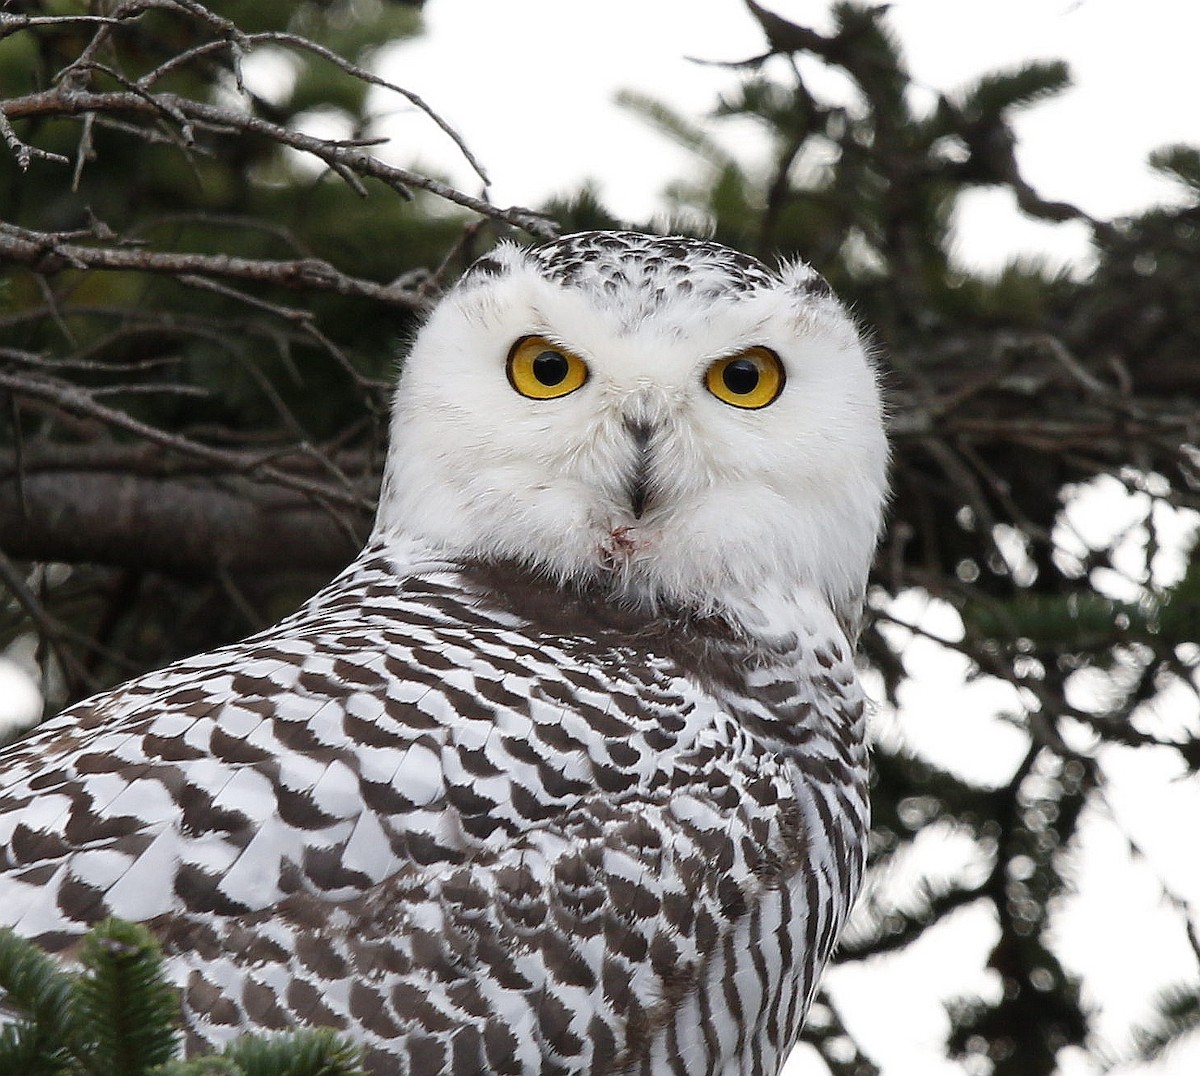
595,806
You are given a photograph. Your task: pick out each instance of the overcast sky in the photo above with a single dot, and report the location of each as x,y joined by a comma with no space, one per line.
530,84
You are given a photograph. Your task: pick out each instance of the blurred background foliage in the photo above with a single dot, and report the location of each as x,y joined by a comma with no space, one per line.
237,367
1010,394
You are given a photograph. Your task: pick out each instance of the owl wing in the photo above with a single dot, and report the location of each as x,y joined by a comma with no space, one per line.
649,932
407,812
399,718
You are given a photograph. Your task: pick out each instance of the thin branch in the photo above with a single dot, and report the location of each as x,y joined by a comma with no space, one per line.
182,59
302,318
50,252
68,102
364,75
50,629
11,24
78,401
1178,903
24,153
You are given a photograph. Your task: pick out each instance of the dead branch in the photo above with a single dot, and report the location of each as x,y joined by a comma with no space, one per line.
48,253
364,75
50,629
345,159
186,525
79,401
72,96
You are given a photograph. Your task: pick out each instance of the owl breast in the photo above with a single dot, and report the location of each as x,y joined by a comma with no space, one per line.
467,783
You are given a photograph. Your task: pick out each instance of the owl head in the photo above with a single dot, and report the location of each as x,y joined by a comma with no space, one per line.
664,418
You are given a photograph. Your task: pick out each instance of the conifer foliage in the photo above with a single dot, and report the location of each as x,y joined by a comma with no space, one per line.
118,1014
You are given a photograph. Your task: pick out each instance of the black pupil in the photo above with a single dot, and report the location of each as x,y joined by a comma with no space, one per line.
740,377
550,368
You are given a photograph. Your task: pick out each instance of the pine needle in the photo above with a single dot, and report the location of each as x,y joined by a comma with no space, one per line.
123,1004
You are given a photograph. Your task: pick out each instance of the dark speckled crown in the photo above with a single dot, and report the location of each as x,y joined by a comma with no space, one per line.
649,270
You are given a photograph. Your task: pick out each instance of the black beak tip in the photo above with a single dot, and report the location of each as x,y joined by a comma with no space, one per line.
640,432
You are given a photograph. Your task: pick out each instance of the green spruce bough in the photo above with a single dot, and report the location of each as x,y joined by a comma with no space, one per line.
118,1013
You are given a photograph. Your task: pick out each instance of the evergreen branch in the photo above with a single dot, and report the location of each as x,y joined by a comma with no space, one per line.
308,1053
1180,162
211,1065
119,1015
692,137
894,929
26,1051
826,1031
123,1004
34,988
1002,91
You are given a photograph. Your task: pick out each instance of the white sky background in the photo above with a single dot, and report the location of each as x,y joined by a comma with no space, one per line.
530,84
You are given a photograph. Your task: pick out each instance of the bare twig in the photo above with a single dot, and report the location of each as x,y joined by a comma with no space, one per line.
59,102
78,401
11,24
50,629
24,153
366,76
48,252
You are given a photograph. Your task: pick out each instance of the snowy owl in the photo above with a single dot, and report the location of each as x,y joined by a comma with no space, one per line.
565,773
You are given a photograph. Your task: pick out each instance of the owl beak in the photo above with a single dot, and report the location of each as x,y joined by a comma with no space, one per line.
638,483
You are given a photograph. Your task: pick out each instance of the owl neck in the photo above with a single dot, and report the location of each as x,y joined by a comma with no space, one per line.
781,666
770,615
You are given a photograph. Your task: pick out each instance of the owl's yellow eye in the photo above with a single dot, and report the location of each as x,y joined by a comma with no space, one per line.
750,379
541,370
